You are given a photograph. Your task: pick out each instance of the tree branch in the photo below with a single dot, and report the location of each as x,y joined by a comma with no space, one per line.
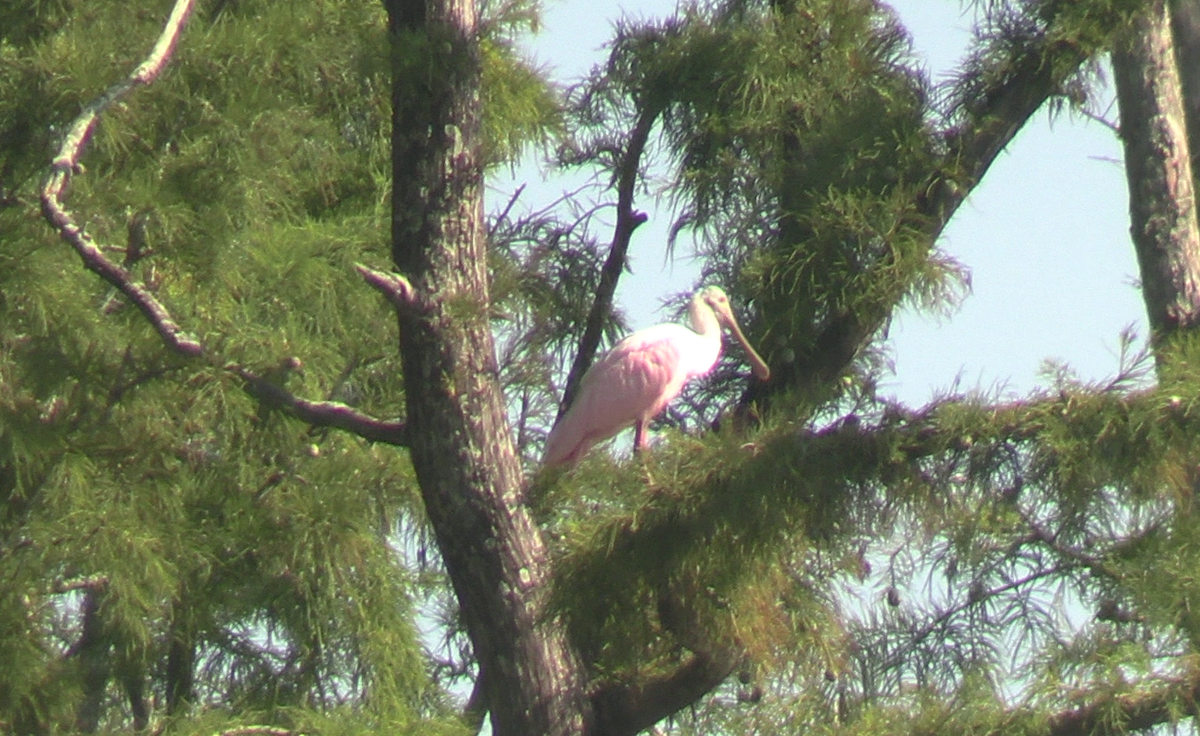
993,117
67,162
628,220
1121,714
397,289
813,482
831,463
322,413
628,708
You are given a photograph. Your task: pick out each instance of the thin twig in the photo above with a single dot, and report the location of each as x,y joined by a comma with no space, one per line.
504,213
1098,118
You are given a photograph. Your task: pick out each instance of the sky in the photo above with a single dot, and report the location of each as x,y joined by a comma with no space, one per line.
1044,236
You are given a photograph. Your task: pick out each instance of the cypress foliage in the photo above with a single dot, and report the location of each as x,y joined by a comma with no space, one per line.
230,557
179,552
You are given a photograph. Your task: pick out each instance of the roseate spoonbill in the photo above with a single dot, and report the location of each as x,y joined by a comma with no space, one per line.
634,381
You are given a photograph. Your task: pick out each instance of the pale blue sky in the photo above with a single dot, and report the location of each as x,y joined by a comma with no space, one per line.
1045,236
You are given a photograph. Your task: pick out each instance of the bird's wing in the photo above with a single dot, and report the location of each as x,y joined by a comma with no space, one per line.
635,380
648,372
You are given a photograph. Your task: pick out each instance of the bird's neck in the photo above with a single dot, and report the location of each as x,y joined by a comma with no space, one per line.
704,320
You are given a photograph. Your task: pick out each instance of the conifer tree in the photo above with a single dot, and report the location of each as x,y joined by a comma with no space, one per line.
238,484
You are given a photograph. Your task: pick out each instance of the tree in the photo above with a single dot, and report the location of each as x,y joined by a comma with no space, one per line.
1159,170
214,520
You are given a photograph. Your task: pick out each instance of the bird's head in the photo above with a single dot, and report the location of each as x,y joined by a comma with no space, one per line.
714,298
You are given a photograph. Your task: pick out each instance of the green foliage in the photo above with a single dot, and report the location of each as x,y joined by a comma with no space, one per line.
1017,38
801,149
1081,495
884,569
519,107
887,570
820,127
245,183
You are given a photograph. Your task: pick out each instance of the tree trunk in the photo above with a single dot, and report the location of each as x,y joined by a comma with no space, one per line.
92,651
181,658
461,448
1158,169
1185,32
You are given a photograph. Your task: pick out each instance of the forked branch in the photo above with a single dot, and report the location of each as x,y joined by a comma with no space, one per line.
626,709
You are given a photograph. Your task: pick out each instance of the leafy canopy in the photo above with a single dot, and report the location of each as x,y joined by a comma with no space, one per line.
245,566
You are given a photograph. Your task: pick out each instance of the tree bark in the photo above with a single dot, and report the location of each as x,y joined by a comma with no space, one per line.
1185,32
92,651
181,659
1158,170
471,480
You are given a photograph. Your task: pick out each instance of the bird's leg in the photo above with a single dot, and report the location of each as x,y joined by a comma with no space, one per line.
640,444
639,436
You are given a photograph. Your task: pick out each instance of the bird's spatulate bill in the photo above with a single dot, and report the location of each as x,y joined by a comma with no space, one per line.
757,365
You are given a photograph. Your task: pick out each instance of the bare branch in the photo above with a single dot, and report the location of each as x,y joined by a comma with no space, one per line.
504,212
322,413
398,290
257,731
628,220
1096,117
67,162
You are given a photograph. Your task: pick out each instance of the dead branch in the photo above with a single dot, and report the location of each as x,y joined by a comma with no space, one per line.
67,163
322,413
628,220
398,290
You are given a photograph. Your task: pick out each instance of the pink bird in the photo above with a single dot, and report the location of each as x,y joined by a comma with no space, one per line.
634,381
